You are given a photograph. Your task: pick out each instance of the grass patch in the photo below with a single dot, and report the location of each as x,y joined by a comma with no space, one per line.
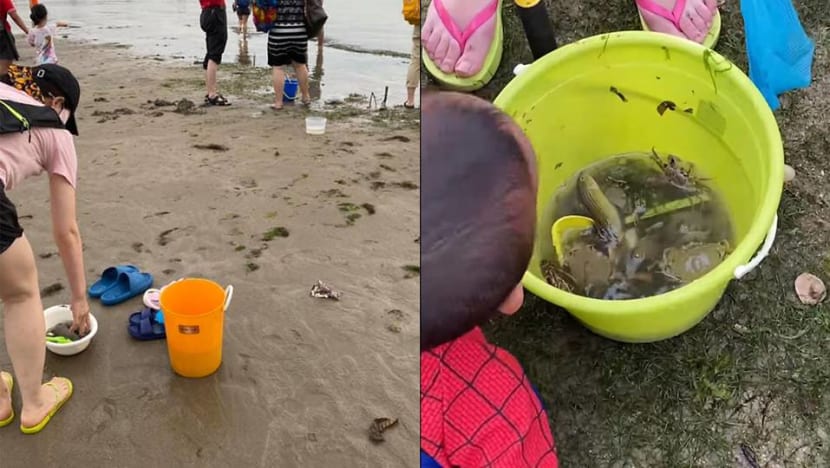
273,233
411,270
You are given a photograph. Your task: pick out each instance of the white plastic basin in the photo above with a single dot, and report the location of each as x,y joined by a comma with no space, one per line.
62,313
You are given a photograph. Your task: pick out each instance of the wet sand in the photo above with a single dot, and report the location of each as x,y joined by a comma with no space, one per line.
302,378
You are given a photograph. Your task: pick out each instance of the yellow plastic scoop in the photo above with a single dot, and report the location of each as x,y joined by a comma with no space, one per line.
573,224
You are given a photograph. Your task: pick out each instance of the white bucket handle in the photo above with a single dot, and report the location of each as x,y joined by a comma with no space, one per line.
228,296
743,270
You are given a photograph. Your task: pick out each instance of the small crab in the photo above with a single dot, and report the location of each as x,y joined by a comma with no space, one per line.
556,276
678,176
691,261
590,268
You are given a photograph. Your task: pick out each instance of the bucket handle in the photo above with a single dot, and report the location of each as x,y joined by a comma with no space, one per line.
743,270
228,296
228,293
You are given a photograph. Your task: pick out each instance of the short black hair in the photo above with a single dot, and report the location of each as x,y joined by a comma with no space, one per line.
478,213
38,13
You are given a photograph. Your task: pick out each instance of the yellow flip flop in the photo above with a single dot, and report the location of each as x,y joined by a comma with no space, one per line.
39,427
9,380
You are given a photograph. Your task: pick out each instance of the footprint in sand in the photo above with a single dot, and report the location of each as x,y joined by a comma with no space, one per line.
400,138
163,239
211,147
397,316
51,289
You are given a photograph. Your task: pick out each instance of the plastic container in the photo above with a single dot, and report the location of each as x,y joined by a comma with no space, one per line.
194,312
315,125
289,93
62,313
599,97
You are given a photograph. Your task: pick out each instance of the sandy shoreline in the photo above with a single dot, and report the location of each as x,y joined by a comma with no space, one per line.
302,378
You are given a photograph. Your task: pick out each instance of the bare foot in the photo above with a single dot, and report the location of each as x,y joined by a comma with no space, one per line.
692,22
51,394
277,105
463,50
5,396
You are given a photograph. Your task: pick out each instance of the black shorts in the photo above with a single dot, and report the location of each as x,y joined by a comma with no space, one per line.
8,50
287,44
10,229
243,11
214,22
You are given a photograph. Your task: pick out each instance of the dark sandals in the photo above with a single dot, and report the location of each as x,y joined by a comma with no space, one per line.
217,100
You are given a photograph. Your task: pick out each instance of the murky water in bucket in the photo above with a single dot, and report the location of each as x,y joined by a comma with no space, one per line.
657,227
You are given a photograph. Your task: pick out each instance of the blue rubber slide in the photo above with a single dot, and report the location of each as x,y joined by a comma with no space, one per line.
144,327
128,285
108,279
779,51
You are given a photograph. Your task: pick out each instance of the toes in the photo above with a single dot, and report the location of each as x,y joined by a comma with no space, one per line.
427,30
450,60
712,5
441,54
431,44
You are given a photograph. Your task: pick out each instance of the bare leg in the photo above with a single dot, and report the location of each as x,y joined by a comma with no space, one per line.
301,70
278,78
4,66
210,78
243,25
24,327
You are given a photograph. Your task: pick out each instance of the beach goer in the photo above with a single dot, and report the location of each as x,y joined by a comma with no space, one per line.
214,22
243,12
412,15
22,156
288,45
692,20
42,35
478,212
8,49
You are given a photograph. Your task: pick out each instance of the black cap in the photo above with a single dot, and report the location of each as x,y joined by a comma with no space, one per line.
59,80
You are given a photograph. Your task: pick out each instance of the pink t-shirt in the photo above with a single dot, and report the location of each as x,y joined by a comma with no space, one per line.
50,149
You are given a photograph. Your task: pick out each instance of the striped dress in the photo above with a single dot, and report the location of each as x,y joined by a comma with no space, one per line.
287,40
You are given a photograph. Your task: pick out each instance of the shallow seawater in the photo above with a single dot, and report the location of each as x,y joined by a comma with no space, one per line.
662,227
368,42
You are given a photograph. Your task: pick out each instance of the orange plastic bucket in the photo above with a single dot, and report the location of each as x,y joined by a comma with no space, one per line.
194,313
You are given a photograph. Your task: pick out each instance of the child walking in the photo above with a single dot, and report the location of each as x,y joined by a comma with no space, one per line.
478,212
288,45
42,35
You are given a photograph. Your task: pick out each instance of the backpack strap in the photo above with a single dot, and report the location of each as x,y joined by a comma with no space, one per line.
16,117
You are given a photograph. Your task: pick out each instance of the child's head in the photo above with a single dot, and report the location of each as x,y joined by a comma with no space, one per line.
38,14
478,214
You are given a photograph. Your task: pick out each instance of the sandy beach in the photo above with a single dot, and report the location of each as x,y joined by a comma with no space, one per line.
195,193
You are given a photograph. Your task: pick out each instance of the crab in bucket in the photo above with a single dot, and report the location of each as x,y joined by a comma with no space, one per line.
676,175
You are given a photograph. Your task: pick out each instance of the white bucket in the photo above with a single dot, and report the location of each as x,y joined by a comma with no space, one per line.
315,125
